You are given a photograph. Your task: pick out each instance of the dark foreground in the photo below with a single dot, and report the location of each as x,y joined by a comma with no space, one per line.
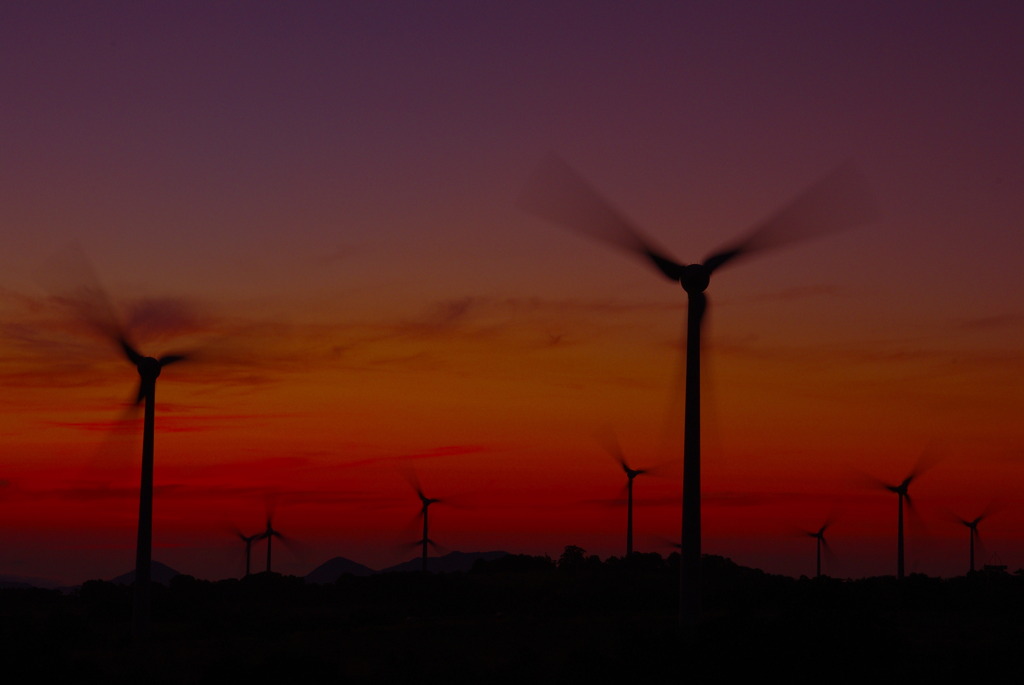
521,620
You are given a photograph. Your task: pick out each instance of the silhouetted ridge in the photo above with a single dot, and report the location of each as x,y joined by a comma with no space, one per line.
449,563
330,571
159,573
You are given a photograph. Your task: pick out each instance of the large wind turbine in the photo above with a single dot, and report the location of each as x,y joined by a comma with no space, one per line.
89,302
837,201
149,369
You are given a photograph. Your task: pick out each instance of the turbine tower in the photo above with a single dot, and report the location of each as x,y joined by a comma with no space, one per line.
425,503
149,369
902,491
631,474
90,302
248,540
615,450
268,534
558,194
972,526
821,542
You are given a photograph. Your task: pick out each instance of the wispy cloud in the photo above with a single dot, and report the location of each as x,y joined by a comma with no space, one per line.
41,345
433,453
169,422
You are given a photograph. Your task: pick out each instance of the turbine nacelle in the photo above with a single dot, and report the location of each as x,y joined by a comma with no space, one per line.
149,368
632,473
695,278
903,488
820,535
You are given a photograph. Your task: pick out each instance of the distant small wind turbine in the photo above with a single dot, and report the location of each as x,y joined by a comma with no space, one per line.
268,534
560,195
425,503
615,450
424,542
972,526
821,542
248,540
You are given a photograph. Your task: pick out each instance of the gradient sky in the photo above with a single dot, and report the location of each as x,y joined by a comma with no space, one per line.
321,197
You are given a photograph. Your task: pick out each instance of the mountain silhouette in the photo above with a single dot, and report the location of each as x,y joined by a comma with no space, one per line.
449,563
329,571
160,573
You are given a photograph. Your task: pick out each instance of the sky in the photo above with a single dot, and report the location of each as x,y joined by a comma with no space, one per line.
318,201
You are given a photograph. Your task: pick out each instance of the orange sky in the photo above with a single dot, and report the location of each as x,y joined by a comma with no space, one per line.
323,203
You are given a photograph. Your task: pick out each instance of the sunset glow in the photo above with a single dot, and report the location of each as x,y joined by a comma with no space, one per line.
321,201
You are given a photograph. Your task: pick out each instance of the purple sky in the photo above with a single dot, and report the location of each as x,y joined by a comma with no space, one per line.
317,165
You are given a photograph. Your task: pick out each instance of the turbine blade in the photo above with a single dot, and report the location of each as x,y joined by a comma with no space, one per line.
414,482
298,550
270,507
829,522
610,442
438,547
557,193
142,392
828,557
867,480
71,280
130,352
988,511
837,201
172,358
928,459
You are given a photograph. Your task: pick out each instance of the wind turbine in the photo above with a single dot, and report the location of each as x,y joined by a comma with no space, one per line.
972,525
248,540
268,534
631,474
89,301
425,503
559,194
902,490
821,542
149,369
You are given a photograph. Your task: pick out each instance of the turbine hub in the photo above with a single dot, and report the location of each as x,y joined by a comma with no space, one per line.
149,368
695,278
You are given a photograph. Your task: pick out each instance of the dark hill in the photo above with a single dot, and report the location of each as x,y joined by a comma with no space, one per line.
449,563
330,571
159,573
